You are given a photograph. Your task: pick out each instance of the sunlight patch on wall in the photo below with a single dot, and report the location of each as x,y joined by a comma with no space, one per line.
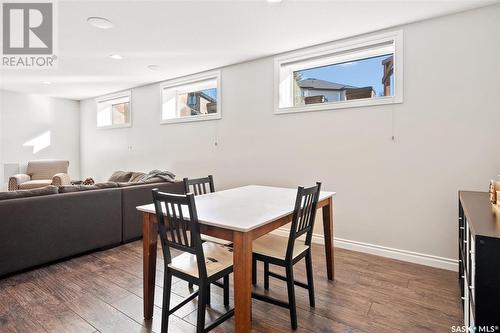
39,142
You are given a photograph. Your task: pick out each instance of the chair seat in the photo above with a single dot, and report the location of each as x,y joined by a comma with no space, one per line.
207,238
217,258
275,246
35,184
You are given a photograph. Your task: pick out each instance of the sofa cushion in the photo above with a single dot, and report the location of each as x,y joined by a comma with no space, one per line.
120,176
78,188
47,190
30,184
105,185
45,169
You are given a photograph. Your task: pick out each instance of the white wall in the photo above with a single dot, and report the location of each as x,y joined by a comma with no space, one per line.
1,146
400,194
25,117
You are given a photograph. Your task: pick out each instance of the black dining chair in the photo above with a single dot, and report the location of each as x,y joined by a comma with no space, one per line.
200,186
201,263
280,251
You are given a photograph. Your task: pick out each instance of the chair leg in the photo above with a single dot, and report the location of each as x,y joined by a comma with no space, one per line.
291,296
266,275
167,288
226,290
254,272
310,282
202,305
208,295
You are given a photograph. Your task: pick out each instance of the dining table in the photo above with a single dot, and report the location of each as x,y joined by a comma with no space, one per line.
239,215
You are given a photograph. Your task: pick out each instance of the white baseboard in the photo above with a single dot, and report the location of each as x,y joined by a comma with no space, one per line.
383,251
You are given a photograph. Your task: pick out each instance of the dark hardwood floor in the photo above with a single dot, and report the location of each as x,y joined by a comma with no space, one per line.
102,292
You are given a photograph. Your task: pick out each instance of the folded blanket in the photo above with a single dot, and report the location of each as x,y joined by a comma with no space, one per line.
165,175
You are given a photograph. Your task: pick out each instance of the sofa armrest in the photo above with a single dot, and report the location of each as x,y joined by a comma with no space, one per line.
61,179
16,180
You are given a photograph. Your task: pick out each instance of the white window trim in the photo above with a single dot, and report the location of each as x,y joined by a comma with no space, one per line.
339,48
121,94
188,80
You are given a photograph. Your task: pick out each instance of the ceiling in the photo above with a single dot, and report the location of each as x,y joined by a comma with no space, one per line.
185,37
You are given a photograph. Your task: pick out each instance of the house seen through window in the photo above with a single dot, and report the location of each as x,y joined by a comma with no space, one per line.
113,111
191,98
357,79
197,102
359,72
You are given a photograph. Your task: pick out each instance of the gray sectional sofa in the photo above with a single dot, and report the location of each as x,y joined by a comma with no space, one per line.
40,229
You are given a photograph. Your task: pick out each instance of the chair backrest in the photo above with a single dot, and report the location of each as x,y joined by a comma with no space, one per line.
46,169
178,226
199,186
304,215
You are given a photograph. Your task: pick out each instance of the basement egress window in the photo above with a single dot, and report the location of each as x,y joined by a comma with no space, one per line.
192,98
113,111
360,72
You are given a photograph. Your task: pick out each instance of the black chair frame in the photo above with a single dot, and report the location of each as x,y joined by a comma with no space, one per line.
184,235
303,218
199,186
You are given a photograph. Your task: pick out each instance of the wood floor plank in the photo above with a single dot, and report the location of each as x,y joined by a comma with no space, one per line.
15,319
132,306
102,292
103,316
47,310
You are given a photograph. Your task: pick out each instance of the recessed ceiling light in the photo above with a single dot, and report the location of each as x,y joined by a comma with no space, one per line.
116,56
274,1
154,67
100,22
46,82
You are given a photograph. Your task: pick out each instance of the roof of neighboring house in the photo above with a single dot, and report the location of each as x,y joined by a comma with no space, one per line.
360,88
205,96
323,85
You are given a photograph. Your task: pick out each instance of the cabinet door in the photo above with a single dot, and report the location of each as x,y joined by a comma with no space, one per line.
467,252
466,302
472,267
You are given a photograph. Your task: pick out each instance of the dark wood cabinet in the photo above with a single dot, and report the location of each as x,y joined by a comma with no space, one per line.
479,261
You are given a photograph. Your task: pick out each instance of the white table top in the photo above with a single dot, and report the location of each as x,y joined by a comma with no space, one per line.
244,208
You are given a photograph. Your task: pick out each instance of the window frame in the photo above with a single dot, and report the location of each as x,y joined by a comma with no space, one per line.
314,55
110,97
187,80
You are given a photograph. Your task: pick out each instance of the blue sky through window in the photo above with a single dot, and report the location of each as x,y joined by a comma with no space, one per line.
359,73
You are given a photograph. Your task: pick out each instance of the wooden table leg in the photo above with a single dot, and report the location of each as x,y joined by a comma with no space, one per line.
150,234
328,231
242,260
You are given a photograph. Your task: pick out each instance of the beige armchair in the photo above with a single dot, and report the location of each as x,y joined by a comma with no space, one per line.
41,173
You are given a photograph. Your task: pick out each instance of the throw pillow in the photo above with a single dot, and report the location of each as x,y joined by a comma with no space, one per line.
120,176
87,181
136,177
